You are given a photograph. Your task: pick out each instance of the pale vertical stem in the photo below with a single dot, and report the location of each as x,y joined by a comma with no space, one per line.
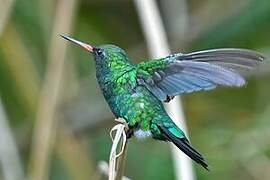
46,10
9,156
5,10
156,39
177,19
44,129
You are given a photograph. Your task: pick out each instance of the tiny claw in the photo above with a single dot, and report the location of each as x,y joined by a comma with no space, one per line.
121,120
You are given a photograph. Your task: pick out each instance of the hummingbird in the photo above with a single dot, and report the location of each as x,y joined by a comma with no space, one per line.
136,92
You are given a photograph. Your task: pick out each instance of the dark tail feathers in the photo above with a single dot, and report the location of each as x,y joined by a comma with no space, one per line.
183,145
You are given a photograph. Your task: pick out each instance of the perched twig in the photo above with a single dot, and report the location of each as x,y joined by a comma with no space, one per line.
121,163
117,160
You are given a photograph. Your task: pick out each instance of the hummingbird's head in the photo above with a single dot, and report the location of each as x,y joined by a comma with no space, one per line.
108,52
101,53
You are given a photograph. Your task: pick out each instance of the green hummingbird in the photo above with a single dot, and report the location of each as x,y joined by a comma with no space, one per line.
135,92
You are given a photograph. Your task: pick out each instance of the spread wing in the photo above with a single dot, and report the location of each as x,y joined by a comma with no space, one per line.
202,70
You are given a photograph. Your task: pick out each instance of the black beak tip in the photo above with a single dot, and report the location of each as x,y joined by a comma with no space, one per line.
63,36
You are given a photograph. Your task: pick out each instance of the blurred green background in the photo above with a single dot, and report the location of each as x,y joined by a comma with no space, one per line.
54,123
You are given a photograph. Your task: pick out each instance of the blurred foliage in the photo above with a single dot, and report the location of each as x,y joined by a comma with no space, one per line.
225,124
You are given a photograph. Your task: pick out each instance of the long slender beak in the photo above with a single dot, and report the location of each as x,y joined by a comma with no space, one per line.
81,44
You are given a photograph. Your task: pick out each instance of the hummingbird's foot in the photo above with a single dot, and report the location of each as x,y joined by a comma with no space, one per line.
122,121
128,130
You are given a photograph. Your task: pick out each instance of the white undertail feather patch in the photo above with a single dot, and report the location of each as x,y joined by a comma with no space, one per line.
140,134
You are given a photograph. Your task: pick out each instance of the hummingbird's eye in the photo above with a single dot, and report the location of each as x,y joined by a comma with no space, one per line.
99,51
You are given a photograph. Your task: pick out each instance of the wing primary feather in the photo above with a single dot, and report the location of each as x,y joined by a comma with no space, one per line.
249,54
213,73
228,57
189,86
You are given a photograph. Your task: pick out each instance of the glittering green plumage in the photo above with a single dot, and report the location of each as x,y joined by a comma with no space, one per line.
117,78
136,92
